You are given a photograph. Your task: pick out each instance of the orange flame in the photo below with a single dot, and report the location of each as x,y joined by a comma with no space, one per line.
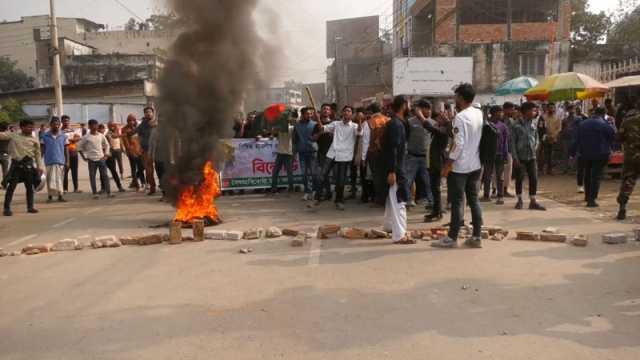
198,202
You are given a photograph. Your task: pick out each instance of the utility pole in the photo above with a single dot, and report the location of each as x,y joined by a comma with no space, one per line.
55,50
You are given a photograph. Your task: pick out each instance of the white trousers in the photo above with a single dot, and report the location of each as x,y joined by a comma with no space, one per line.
395,215
55,175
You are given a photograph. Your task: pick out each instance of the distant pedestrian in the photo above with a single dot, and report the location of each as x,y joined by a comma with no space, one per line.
593,143
73,137
464,162
56,157
114,136
496,167
26,164
94,148
131,144
306,149
629,135
552,126
111,161
144,133
394,152
5,158
284,156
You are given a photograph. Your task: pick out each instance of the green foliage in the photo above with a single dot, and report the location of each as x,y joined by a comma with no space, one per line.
626,33
588,29
11,111
12,78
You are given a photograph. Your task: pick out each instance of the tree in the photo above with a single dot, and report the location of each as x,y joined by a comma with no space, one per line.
588,29
161,22
131,25
11,111
12,78
625,35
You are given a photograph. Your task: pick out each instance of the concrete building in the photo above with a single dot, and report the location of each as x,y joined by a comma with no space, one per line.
102,101
91,69
506,38
362,60
24,41
27,42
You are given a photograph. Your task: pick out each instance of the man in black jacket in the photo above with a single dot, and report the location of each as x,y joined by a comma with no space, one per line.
394,150
441,131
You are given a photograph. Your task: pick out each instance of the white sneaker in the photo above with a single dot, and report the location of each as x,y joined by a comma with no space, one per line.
580,189
306,197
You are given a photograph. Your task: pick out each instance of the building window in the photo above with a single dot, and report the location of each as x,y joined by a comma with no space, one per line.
532,64
540,11
475,12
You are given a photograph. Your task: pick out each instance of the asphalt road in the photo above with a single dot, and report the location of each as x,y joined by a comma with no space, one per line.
332,298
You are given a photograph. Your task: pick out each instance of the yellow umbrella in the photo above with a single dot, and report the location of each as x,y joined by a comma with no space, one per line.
567,86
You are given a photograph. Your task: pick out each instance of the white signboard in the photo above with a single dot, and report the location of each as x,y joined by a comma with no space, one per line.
430,76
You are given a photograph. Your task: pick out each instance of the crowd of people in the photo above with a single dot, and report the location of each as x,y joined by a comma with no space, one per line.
401,154
50,155
397,156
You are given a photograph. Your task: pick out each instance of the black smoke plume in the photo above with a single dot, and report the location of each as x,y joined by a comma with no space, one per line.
217,57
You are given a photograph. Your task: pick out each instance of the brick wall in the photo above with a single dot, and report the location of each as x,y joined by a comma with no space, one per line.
445,21
478,34
534,31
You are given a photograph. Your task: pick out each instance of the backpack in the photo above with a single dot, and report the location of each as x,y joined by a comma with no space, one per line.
489,142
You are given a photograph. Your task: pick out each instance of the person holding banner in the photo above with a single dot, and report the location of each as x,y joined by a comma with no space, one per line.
340,154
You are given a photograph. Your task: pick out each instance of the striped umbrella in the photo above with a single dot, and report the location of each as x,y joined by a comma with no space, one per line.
566,87
517,86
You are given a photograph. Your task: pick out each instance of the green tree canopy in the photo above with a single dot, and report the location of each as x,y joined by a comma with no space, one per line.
12,78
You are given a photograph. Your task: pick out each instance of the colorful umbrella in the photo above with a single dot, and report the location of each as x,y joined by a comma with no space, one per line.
566,87
517,86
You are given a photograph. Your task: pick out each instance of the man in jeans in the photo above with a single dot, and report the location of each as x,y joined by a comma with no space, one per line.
323,141
417,143
497,166
593,143
305,147
94,148
340,154
144,133
464,162
524,146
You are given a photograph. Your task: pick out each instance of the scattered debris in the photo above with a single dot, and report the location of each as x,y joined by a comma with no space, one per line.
253,234
274,232
484,235
614,239
465,287
32,252
378,234
3,253
233,235
580,241
65,245
416,235
44,248
246,251
497,237
353,233
80,246
550,230
527,236
105,242
325,231
215,234
15,253
198,230
551,237
290,232
175,233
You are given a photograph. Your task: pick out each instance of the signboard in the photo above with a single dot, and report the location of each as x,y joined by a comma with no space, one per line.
250,165
430,76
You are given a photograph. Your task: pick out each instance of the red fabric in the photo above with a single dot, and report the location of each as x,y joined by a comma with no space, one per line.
273,112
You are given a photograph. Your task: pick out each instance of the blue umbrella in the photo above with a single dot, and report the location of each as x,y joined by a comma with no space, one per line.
517,86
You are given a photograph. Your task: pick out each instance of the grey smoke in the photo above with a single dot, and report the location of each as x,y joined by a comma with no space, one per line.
215,60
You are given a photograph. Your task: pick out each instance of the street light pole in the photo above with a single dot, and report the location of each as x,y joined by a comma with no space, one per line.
55,48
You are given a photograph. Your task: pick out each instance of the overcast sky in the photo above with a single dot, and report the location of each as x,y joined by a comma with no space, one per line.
303,22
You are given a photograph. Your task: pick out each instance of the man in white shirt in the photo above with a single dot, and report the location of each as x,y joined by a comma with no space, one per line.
465,165
340,154
95,149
